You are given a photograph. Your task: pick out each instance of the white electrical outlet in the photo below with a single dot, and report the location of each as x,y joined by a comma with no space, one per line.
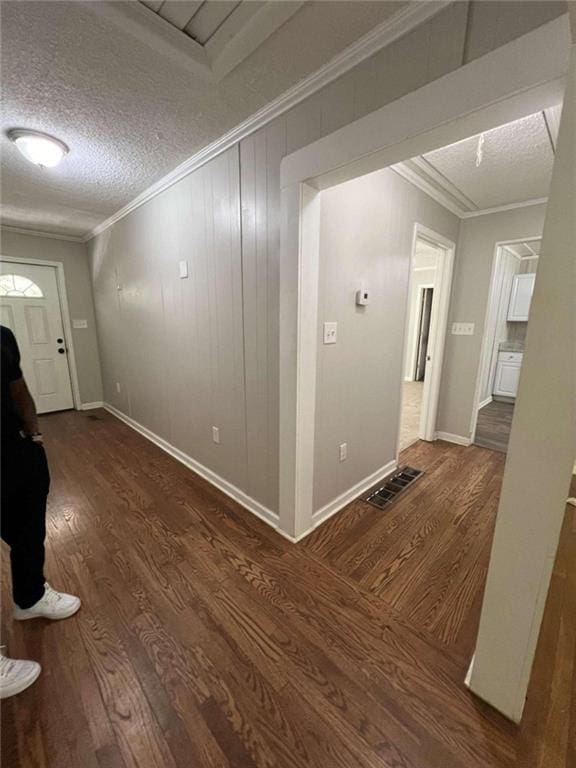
216,435
462,329
343,451
330,333
118,387
183,268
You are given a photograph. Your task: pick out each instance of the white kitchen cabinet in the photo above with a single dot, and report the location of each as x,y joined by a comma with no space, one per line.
520,297
507,374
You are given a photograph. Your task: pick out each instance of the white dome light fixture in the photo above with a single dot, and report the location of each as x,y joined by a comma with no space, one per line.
40,148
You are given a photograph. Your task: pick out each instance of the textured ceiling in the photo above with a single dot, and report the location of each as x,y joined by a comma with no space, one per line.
131,115
516,164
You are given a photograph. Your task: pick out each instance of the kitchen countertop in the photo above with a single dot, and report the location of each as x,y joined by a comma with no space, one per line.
511,346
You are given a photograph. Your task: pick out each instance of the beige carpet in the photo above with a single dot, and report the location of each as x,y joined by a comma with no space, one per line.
410,417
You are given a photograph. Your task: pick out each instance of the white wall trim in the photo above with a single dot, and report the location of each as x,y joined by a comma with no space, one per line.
447,201
409,17
450,438
348,496
223,485
444,269
438,326
422,184
334,506
65,312
485,402
468,678
39,233
502,208
90,406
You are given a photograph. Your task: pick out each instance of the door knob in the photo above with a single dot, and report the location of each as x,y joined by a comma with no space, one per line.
61,350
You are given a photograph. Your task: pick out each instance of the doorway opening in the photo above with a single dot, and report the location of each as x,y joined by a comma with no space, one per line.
422,328
507,315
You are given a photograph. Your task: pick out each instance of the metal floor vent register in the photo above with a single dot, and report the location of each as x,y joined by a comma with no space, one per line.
383,495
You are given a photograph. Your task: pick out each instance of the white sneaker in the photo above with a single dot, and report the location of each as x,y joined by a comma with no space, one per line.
52,605
16,675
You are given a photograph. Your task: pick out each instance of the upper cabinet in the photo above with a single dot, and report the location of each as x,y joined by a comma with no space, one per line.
521,296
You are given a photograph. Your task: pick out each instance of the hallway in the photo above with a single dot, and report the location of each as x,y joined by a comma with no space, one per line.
206,639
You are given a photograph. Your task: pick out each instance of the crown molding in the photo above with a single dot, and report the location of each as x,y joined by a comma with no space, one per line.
446,199
441,197
39,233
422,165
504,208
409,17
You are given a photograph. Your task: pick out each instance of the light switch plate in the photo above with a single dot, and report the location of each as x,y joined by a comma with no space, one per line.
330,333
462,329
183,268
79,323
216,435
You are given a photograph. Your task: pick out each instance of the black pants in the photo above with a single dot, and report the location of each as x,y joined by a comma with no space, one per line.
25,485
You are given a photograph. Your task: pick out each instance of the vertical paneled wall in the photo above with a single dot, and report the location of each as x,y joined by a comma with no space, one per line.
260,156
175,347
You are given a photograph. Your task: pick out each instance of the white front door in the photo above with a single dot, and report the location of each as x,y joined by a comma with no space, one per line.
30,307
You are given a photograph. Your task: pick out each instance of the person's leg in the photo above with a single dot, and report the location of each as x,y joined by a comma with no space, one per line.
25,484
16,675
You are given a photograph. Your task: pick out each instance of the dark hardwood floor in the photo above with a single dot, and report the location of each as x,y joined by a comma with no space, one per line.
206,639
494,425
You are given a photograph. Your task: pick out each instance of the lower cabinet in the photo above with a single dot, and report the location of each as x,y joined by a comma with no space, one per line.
507,374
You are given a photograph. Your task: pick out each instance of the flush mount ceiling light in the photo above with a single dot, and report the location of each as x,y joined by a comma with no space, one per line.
40,148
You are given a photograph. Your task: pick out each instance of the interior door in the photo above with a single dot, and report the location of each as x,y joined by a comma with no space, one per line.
423,333
30,307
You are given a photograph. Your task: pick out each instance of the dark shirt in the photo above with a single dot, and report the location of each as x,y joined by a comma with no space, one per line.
10,371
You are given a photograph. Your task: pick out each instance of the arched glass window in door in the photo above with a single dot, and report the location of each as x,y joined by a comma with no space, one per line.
19,287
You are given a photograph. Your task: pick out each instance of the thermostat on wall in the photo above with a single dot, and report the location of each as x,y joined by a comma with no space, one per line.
362,296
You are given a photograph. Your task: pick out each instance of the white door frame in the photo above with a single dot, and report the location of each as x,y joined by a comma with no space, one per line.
438,329
486,348
438,326
520,78
64,311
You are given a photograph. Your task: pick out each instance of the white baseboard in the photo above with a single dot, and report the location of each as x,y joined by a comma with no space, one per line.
468,677
487,401
226,487
352,493
90,406
450,438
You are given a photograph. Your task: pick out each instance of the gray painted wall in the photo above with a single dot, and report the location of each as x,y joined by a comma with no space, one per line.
456,35
366,234
74,257
175,346
470,292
